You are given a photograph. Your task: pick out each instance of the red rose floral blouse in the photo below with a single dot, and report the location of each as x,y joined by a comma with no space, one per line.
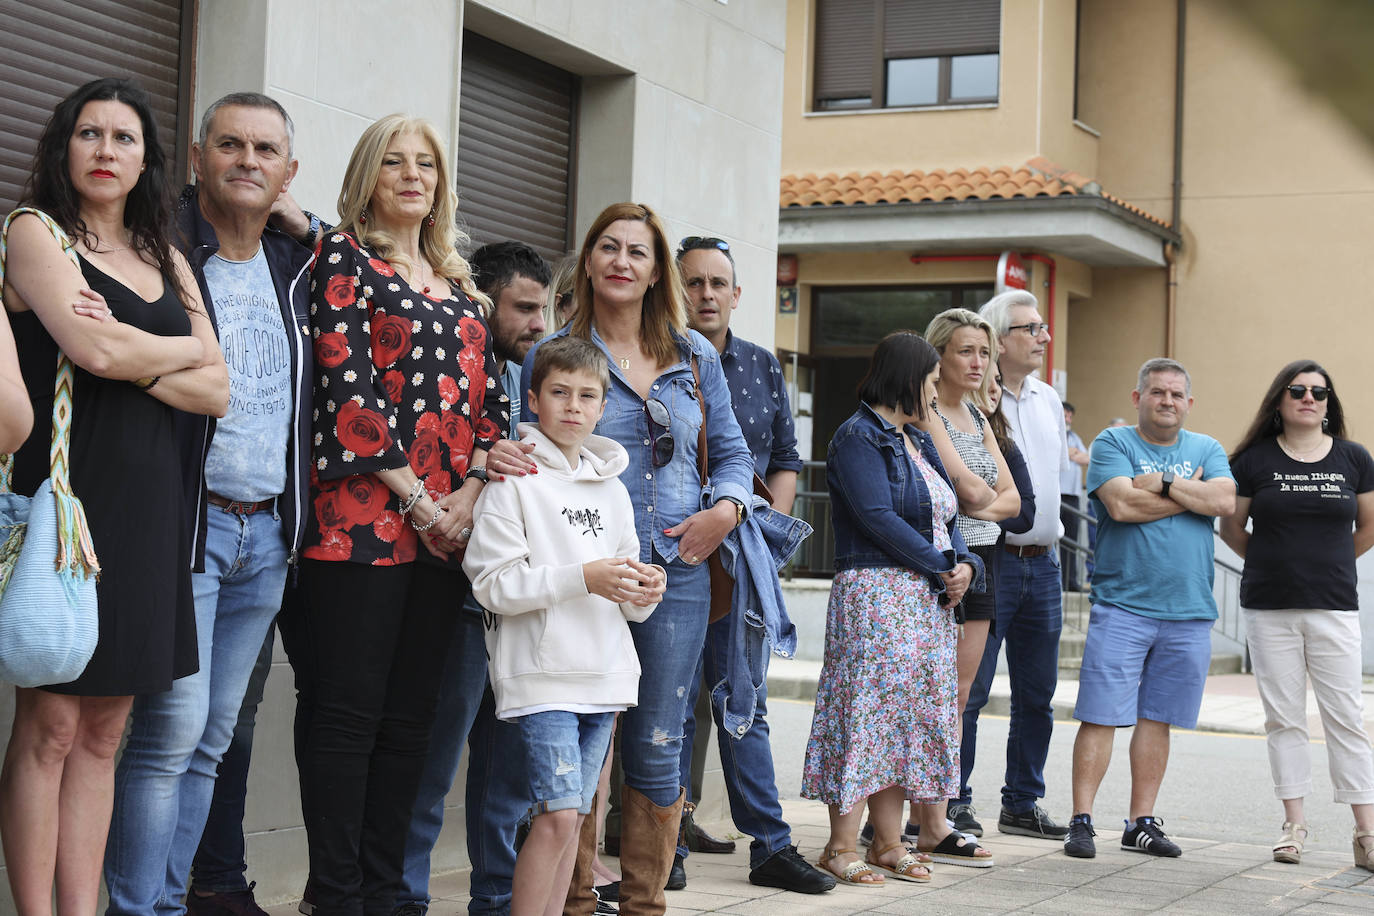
402,378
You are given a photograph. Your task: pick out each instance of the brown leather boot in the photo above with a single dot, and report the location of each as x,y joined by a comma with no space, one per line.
581,897
648,841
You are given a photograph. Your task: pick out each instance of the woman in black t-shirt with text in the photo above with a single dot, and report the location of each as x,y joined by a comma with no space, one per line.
1306,488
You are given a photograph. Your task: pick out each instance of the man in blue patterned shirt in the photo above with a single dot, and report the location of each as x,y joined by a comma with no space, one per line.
758,394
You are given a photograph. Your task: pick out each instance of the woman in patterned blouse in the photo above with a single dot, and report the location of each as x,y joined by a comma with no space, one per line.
407,404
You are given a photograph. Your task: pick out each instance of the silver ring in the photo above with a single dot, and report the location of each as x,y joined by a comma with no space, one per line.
465,533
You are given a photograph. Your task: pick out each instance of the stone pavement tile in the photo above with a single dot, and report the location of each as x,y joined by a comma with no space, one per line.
834,903
926,906
994,891
1334,905
1143,888
716,897
1043,871
1226,902
1091,900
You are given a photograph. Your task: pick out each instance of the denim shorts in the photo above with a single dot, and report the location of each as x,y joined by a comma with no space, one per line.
564,753
1137,667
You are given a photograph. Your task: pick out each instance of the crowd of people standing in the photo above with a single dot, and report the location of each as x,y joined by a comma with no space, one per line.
358,436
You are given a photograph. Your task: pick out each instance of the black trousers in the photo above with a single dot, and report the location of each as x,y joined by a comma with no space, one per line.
373,640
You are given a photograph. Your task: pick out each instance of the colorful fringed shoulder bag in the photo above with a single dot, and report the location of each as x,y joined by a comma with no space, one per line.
48,618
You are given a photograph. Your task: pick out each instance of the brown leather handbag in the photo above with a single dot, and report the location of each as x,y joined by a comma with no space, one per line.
722,583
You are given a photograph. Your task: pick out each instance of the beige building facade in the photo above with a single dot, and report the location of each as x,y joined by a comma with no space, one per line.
903,184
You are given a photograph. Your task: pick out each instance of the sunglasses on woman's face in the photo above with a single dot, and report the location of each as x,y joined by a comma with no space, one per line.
1298,392
663,442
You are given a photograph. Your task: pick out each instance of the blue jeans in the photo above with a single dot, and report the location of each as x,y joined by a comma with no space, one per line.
221,860
460,694
497,799
747,761
1029,618
564,754
166,775
669,645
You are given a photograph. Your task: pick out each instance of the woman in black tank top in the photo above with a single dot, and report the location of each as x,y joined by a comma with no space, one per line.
131,321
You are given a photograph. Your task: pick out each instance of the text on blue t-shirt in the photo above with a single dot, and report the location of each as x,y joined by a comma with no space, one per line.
1161,569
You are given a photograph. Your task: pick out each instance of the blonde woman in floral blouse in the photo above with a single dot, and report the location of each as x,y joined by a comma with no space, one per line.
407,404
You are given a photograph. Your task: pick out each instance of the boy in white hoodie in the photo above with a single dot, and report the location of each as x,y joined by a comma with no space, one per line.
554,558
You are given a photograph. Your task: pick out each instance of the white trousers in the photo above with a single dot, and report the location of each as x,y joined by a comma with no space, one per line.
1287,648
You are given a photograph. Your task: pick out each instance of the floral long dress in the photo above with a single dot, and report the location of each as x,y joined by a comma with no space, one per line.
887,703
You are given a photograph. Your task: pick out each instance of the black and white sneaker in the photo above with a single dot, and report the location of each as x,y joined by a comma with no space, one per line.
1145,836
1079,842
604,907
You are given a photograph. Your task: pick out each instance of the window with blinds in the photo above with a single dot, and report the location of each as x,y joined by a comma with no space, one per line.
516,124
906,53
50,47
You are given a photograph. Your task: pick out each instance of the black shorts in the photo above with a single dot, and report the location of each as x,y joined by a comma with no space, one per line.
983,605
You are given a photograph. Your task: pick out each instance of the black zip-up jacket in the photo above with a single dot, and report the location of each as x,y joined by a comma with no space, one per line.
288,261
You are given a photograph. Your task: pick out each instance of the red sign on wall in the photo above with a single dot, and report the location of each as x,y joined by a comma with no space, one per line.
787,269
1011,272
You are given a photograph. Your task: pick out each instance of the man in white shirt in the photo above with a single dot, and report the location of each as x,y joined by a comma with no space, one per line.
1029,602
1071,496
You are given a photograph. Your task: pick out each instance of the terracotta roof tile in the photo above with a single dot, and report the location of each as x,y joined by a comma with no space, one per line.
1035,179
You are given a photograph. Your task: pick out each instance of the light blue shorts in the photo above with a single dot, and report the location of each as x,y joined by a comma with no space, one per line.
1137,667
564,753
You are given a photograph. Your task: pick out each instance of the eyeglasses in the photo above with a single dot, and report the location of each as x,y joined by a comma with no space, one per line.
695,242
663,442
1298,392
1032,328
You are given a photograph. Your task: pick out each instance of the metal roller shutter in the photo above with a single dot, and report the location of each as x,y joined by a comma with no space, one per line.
845,50
937,28
49,47
515,142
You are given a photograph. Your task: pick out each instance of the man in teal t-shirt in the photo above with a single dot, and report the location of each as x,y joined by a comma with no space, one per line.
1155,488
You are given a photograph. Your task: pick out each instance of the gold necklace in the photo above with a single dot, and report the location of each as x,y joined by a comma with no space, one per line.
623,361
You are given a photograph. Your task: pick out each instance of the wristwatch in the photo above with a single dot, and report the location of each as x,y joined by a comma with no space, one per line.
1165,480
480,472
314,233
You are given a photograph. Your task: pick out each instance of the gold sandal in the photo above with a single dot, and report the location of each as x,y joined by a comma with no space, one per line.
906,868
854,873
1289,847
1364,855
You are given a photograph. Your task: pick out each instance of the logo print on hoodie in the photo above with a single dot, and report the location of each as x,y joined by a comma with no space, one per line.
591,518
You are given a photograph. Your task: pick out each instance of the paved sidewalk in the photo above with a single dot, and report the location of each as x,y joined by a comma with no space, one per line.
1031,876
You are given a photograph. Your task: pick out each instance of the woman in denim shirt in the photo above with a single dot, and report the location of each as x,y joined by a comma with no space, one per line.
886,726
629,301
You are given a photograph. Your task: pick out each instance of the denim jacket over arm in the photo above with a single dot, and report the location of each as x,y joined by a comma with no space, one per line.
881,506
753,553
664,496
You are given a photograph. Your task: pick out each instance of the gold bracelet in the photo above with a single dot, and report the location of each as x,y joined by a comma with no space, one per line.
147,382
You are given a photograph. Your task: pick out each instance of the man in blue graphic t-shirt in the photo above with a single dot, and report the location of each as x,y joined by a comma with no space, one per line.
188,748
1156,488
